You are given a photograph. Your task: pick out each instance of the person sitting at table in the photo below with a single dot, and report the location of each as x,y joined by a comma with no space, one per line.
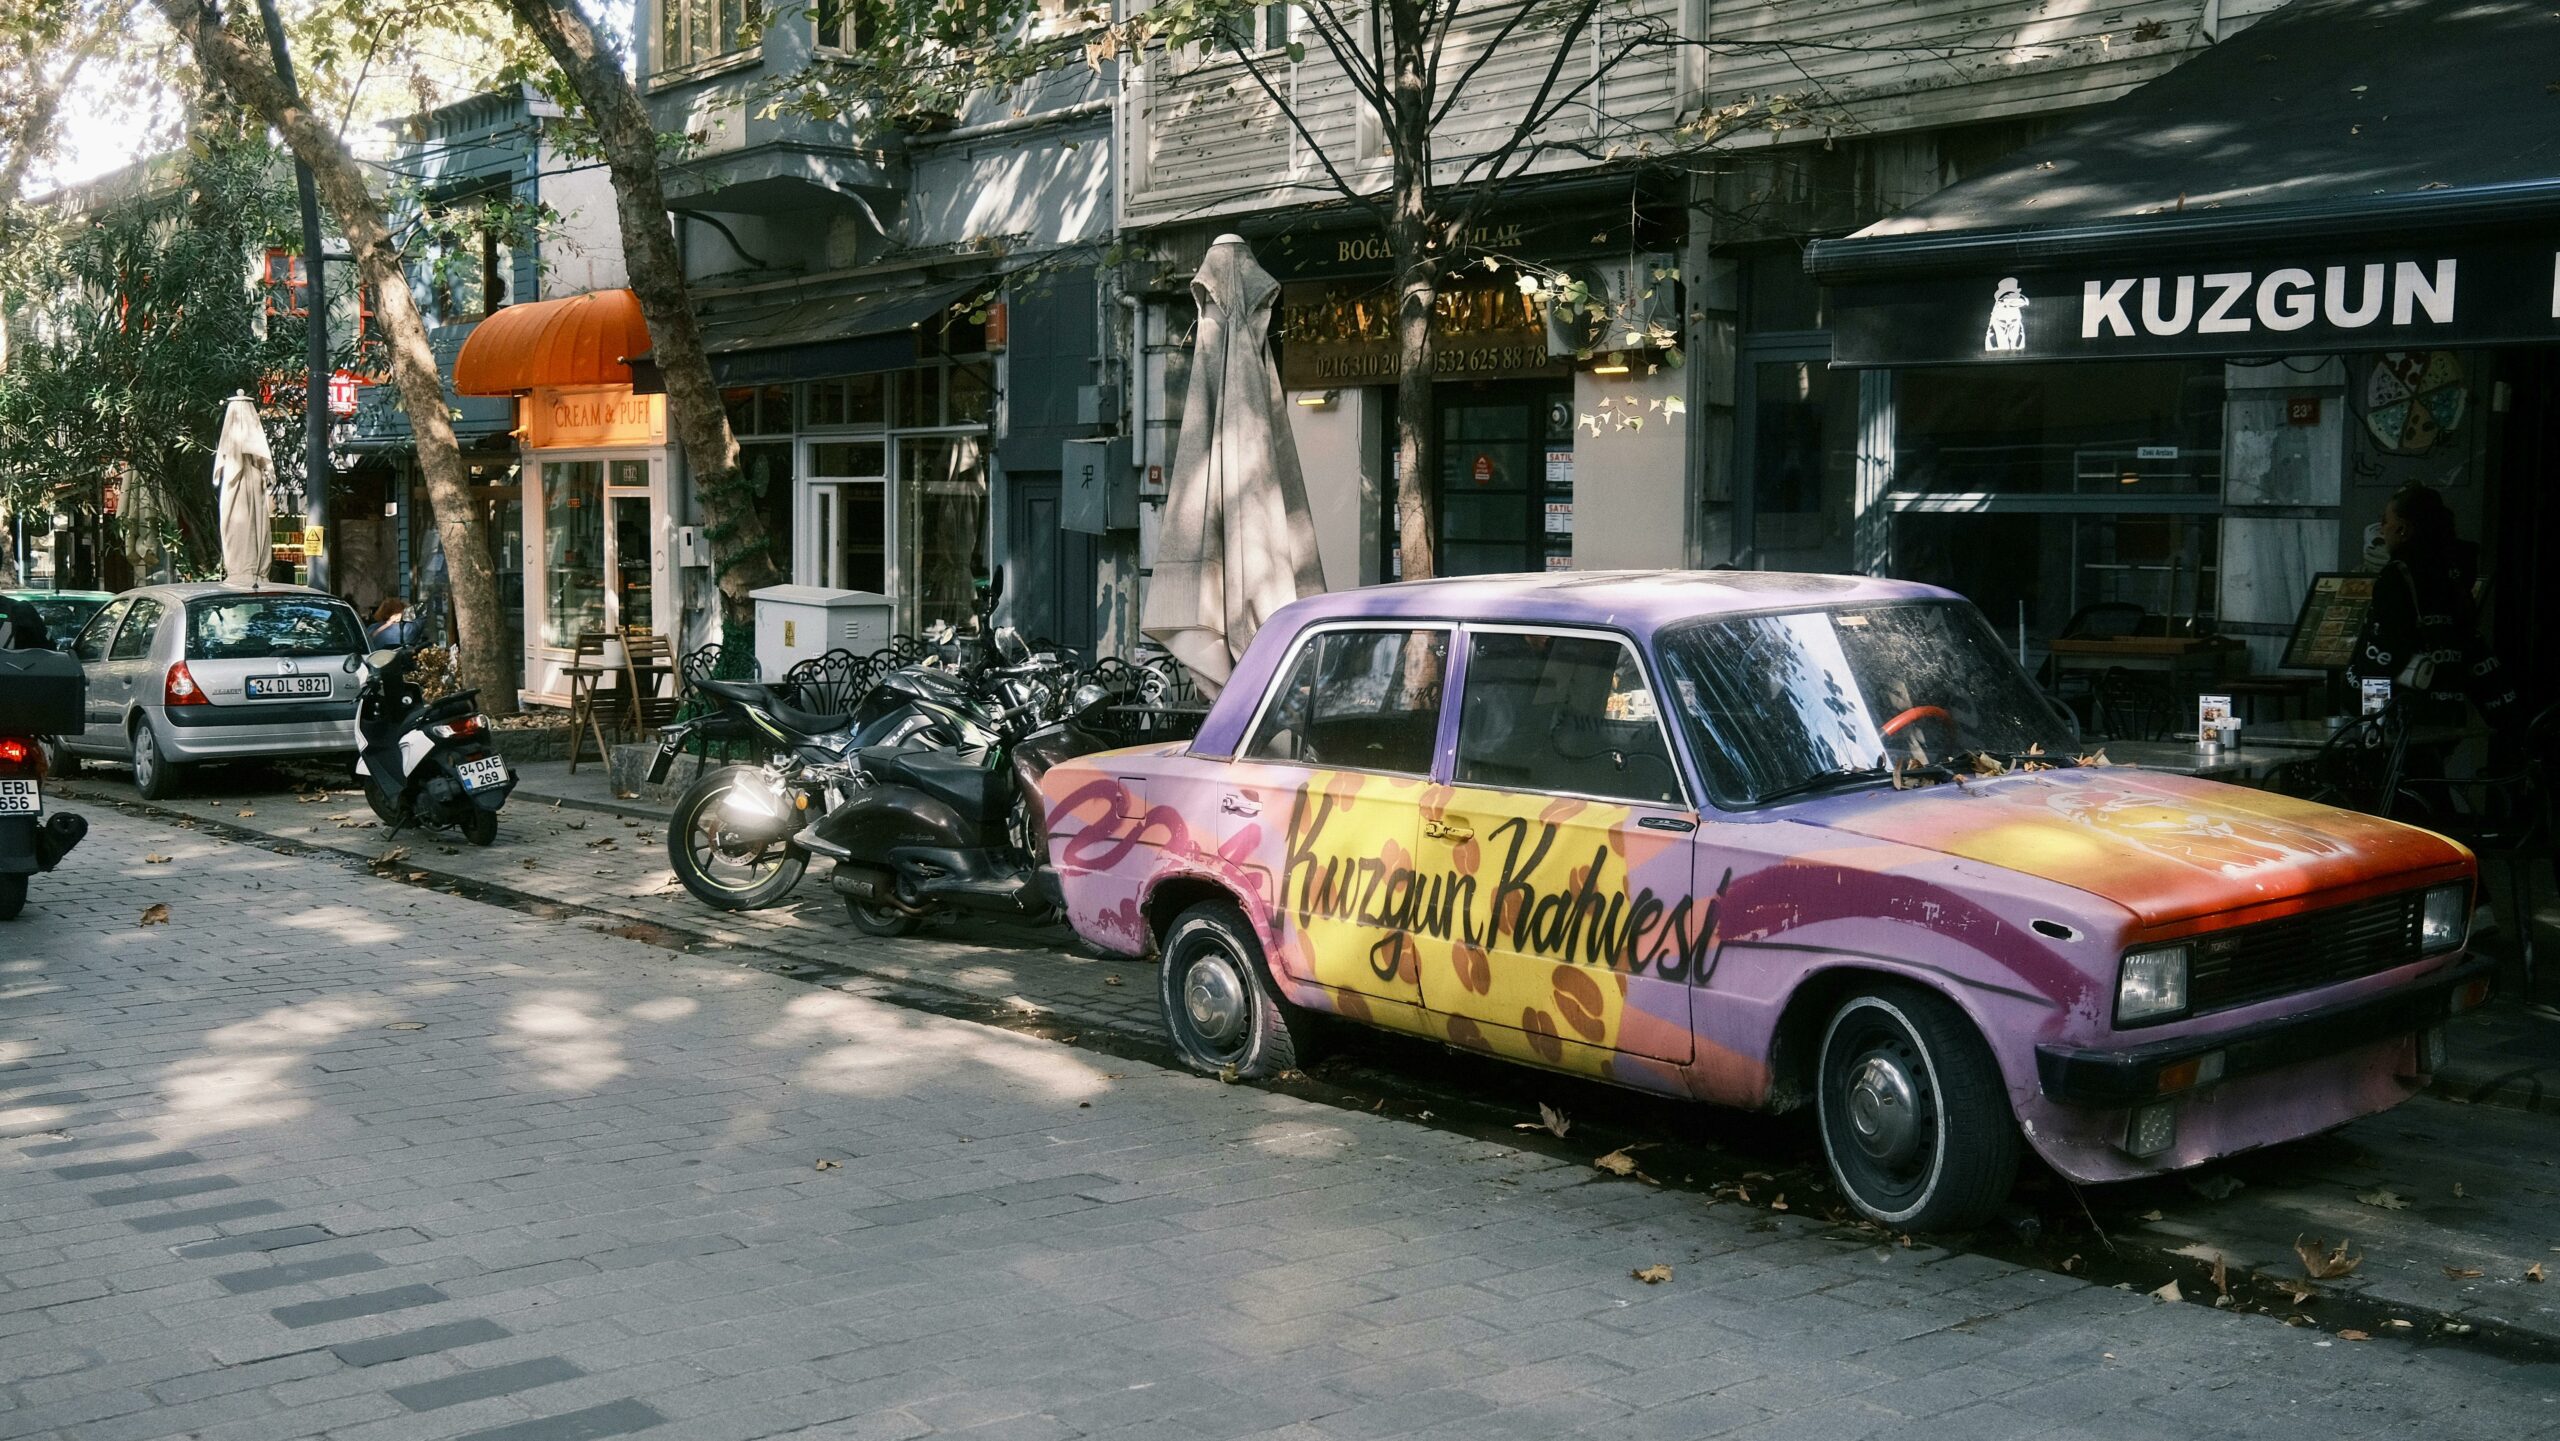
2423,631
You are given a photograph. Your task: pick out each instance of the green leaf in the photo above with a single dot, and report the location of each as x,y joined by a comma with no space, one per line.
1297,53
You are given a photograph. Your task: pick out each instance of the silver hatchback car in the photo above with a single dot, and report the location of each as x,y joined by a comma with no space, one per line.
204,672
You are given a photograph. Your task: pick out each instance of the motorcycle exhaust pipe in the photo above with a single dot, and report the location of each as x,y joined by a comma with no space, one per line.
870,885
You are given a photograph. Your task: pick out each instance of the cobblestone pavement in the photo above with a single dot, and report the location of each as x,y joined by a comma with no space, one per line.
2447,1190
324,1154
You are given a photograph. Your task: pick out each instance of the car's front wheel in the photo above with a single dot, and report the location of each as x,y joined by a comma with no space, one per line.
1915,1121
1219,1005
154,774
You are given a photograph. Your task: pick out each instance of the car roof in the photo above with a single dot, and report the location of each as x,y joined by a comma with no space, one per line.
1639,601
199,589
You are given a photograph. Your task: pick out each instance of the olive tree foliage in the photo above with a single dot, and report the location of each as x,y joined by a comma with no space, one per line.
135,319
1406,64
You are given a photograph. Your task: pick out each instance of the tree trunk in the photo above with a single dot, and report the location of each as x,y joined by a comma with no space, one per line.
487,659
1417,294
741,548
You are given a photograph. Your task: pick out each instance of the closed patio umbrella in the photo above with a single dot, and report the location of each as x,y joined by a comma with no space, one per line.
1237,542
244,470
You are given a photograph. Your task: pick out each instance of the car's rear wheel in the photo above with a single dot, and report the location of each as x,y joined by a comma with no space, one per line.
1915,1121
1219,1004
154,774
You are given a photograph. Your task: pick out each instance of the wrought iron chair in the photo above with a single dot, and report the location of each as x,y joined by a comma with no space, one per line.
2133,706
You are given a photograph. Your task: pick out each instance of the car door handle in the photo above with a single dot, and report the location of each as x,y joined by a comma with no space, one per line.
1448,830
1239,806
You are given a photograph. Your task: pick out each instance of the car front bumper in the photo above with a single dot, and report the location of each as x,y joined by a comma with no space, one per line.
2136,1075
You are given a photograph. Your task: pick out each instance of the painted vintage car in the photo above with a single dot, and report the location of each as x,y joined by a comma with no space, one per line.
1766,841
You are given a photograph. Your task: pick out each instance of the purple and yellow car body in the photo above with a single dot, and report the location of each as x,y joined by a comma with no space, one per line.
1693,951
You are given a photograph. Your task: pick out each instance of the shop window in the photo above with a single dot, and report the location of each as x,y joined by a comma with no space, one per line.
286,285
971,394
1365,700
854,402
849,25
1801,428
690,32
573,537
920,397
2138,429
758,409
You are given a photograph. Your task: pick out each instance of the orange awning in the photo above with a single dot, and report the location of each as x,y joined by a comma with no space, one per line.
583,340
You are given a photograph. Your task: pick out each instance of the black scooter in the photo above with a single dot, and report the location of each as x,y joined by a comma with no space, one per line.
42,693
425,762
938,829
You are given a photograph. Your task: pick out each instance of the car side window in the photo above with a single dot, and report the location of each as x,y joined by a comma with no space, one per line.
1364,700
134,641
92,645
1562,713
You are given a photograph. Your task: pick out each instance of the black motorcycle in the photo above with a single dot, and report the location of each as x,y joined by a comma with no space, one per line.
425,762
42,693
933,828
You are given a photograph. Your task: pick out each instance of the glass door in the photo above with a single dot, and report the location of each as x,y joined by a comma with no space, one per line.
573,552
942,526
845,527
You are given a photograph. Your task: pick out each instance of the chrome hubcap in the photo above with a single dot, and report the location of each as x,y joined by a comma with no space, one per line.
1213,996
1884,1111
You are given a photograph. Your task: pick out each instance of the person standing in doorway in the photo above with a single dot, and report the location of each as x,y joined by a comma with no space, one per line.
2423,632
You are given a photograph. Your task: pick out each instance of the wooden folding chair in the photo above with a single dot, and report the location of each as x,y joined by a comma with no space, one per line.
593,703
651,685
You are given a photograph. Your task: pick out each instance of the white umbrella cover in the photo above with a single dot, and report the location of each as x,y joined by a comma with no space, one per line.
1238,541
244,470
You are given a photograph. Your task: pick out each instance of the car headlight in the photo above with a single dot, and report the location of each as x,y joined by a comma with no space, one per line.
2152,984
2444,922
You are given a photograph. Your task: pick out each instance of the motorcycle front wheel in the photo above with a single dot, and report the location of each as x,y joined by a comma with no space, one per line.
721,868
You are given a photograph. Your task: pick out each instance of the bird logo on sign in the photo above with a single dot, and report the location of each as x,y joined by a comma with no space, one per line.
2008,328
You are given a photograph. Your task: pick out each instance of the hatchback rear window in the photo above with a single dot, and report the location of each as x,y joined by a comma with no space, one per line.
253,627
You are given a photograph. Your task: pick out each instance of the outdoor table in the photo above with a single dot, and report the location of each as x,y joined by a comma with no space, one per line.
2244,764
2194,657
2311,735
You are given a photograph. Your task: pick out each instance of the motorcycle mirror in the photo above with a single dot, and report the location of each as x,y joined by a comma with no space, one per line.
992,590
1011,646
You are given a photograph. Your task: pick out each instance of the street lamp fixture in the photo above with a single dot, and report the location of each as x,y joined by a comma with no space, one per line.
1614,364
1317,399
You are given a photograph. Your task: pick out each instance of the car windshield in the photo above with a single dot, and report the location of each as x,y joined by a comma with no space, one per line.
1778,703
253,627
64,614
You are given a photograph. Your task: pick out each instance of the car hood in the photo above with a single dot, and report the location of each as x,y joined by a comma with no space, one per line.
2163,847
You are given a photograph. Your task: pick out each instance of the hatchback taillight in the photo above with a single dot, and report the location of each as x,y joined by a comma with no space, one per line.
182,688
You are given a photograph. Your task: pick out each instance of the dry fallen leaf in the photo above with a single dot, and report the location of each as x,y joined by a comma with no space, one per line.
2355,1336
1553,1119
2169,1292
158,915
1111,980
2533,1273
831,1165
406,1026
2151,1215
2303,1293
2462,1273
2221,1275
1779,1204
244,815
1617,1163
155,859
2457,1190
1653,1275
2323,1264
2382,1200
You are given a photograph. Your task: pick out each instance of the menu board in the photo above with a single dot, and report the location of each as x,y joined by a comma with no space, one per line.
2333,611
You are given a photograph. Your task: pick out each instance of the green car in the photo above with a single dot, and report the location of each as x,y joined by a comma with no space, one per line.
64,611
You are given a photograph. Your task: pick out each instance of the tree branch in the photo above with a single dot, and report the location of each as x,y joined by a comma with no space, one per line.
1299,125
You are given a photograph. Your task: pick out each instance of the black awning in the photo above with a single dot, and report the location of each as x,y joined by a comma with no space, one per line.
808,339
2345,174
